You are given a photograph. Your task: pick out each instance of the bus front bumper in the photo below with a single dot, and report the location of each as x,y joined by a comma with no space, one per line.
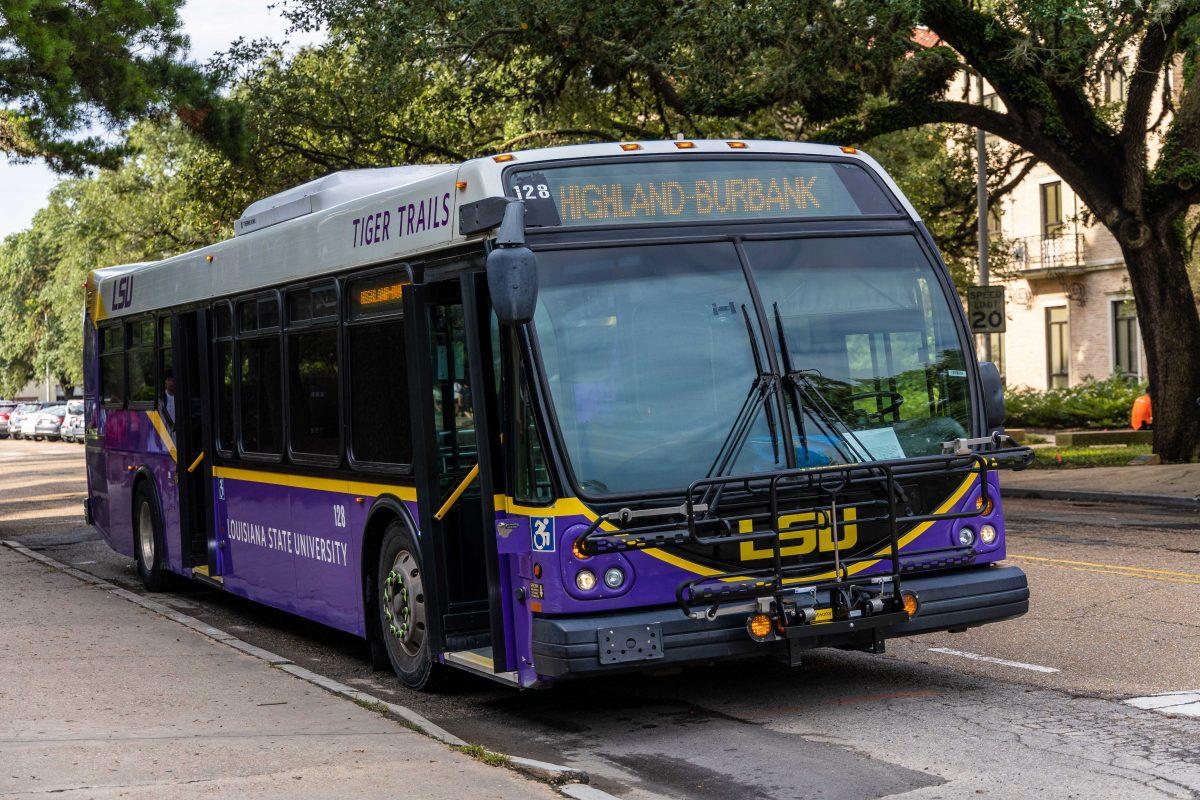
663,637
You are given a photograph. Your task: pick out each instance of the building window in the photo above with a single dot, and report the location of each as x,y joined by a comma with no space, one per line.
260,378
1058,347
112,366
140,363
1125,339
1052,209
1115,83
994,226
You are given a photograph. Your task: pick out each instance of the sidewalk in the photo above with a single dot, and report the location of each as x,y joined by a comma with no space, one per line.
1176,485
101,699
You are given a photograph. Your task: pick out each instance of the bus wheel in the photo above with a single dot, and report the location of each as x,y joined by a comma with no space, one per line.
402,609
147,540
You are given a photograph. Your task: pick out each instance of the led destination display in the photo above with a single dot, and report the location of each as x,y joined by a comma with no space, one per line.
696,190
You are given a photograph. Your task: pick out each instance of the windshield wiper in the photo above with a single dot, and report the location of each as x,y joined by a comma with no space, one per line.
809,400
763,387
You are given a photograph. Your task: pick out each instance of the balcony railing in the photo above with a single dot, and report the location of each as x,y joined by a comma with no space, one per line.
1062,251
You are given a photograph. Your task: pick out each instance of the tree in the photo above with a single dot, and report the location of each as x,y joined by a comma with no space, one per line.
848,71
67,66
174,194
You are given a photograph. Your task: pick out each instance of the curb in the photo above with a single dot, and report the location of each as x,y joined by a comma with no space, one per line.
571,782
1164,500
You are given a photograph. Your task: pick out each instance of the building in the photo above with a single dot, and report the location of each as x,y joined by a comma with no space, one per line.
1068,299
1070,311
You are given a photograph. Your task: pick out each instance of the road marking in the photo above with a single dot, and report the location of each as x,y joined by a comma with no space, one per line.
1145,573
1183,703
991,660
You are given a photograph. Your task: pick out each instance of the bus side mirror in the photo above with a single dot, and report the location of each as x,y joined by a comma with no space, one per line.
512,269
993,395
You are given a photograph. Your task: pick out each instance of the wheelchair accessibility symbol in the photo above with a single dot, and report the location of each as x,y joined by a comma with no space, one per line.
542,530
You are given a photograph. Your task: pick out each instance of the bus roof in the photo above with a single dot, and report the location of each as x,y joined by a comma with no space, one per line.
371,216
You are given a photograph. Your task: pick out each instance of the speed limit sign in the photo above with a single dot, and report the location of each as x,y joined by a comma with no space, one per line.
985,309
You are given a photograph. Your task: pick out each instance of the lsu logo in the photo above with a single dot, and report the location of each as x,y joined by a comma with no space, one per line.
806,541
122,293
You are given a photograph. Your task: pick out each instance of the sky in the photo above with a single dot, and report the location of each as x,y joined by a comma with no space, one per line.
212,26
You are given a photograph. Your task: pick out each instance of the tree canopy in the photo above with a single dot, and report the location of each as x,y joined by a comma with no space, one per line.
69,67
400,81
849,71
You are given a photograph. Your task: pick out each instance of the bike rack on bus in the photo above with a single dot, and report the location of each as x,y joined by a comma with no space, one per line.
714,507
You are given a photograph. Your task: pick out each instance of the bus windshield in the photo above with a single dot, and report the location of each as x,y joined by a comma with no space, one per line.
649,355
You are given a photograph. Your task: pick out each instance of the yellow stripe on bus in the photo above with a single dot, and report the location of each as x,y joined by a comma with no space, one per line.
319,484
905,540
572,506
164,433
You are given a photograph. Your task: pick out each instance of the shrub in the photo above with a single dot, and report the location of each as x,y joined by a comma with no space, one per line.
1091,404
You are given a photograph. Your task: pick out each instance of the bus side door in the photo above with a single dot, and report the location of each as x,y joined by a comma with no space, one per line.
454,407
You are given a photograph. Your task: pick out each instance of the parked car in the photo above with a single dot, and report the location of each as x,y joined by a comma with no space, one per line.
17,418
6,409
47,424
72,427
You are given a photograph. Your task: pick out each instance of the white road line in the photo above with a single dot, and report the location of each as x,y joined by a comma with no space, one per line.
1183,703
1004,662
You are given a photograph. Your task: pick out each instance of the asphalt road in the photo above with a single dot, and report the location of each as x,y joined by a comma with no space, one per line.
1115,592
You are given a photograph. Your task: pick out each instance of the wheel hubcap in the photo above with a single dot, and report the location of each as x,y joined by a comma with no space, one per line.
146,536
403,596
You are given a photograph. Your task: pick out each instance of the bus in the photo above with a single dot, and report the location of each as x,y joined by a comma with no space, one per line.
562,412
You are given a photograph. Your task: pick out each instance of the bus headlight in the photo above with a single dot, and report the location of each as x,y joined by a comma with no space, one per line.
966,537
585,579
614,578
987,534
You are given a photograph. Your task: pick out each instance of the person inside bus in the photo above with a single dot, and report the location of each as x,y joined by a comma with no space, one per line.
169,397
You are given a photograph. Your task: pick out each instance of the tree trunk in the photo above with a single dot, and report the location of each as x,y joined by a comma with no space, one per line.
1170,327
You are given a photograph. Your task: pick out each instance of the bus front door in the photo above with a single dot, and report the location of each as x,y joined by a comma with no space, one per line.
192,412
455,407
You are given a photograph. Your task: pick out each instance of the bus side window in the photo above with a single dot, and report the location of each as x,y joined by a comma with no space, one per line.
166,371
533,485
314,427
260,373
380,432
139,363
223,364
112,366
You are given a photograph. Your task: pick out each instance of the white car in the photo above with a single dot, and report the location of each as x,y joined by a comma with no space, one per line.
44,424
72,427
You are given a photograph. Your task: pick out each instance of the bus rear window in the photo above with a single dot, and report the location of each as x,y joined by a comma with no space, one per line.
696,190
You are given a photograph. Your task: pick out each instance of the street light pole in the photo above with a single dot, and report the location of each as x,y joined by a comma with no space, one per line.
982,209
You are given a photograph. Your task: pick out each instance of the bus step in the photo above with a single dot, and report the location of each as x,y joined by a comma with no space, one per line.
479,661
201,574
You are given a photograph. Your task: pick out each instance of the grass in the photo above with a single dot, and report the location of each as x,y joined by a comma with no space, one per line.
1102,456
480,753
371,705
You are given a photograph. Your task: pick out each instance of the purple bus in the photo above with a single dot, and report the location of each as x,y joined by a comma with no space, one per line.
562,412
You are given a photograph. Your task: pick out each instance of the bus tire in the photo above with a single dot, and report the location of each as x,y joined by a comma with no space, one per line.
402,609
148,539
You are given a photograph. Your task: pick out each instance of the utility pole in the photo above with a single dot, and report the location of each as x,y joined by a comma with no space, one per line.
982,210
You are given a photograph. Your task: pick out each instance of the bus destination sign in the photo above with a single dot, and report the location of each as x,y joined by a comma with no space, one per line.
696,190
